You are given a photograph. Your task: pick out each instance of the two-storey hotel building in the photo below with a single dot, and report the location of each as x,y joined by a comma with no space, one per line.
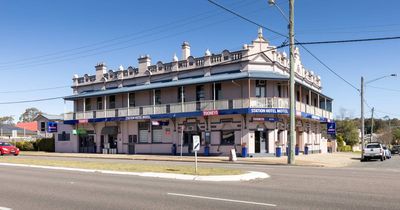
230,99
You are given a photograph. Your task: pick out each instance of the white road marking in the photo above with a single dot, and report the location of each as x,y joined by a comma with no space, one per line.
4,208
223,199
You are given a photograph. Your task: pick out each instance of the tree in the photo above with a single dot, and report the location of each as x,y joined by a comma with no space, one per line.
7,120
29,114
349,131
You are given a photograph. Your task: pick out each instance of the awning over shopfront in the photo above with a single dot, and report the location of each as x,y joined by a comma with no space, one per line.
109,130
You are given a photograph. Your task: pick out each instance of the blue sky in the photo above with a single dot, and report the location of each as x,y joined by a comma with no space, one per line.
74,32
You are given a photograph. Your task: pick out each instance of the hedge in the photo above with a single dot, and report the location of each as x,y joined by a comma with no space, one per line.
46,145
346,148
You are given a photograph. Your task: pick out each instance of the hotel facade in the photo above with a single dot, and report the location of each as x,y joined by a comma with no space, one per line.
231,99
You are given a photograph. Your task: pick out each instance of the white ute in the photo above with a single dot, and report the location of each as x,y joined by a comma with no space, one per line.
374,151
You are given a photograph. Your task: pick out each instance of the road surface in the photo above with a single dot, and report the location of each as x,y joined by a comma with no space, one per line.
367,185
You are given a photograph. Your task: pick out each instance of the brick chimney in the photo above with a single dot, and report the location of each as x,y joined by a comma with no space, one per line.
185,50
101,69
144,63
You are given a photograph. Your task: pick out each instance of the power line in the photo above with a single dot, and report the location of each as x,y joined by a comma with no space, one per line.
156,28
34,90
271,30
350,40
382,88
29,101
116,49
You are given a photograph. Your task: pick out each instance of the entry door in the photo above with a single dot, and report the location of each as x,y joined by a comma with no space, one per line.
112,140
261,142
131,144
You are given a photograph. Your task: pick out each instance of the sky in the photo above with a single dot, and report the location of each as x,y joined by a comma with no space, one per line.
43,43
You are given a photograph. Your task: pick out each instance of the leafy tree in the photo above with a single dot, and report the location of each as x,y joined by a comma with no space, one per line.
29,114
340,140
348,130
7,120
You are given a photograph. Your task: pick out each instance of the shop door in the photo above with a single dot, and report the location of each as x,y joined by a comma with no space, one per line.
112,141
131,144
261,142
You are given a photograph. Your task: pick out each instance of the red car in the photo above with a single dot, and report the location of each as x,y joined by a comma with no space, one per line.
8,149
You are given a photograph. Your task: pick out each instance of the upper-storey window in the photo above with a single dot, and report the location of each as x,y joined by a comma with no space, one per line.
200,93
111,100
279,91
218,91
181,94
99,103
260,89
88,105
131,99
157,95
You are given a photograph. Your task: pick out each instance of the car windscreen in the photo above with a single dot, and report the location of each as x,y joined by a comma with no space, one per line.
373,146
4,144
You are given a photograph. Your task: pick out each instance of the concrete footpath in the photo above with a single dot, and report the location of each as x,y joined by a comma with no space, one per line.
317,160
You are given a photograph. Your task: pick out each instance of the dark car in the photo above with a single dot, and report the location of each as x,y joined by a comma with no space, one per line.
395,149
8,149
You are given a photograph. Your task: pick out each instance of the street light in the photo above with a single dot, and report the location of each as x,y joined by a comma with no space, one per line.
292,111
362,108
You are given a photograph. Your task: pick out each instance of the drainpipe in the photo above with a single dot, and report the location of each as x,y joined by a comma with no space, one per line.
214,96
128,103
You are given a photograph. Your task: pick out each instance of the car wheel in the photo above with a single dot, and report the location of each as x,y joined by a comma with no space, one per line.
382,158
15,154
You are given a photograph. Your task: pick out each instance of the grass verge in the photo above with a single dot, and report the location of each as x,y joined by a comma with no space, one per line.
128,167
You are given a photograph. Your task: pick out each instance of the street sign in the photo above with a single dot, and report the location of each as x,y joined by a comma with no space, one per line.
196,147
196,143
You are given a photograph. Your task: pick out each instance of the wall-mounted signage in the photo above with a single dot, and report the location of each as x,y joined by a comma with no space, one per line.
210,112
52,127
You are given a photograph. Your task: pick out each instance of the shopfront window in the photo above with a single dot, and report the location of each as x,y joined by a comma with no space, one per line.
143,132
227,137
157,133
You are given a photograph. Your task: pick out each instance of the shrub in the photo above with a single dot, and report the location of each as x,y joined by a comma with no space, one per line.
46,144
346,148
25,145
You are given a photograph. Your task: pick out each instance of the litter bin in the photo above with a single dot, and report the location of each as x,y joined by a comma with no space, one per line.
296,151
206,151
278,152
173,149
244,151
306,150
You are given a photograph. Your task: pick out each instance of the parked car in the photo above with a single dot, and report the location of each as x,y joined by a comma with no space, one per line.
374,151
8,149
395,149
388,154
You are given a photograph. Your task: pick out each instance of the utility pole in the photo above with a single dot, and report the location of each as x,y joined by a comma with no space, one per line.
362,118
372,124
292,140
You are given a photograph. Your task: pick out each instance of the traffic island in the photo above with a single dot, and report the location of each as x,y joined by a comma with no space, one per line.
144,170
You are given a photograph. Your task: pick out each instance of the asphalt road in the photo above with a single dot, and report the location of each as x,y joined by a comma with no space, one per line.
366,185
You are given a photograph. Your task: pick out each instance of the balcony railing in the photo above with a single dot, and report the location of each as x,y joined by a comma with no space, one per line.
198,106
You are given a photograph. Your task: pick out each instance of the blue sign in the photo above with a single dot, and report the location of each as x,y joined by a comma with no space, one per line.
269,111
331,128
52,127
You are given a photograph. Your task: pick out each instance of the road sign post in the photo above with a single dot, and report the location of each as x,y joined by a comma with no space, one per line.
196,147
